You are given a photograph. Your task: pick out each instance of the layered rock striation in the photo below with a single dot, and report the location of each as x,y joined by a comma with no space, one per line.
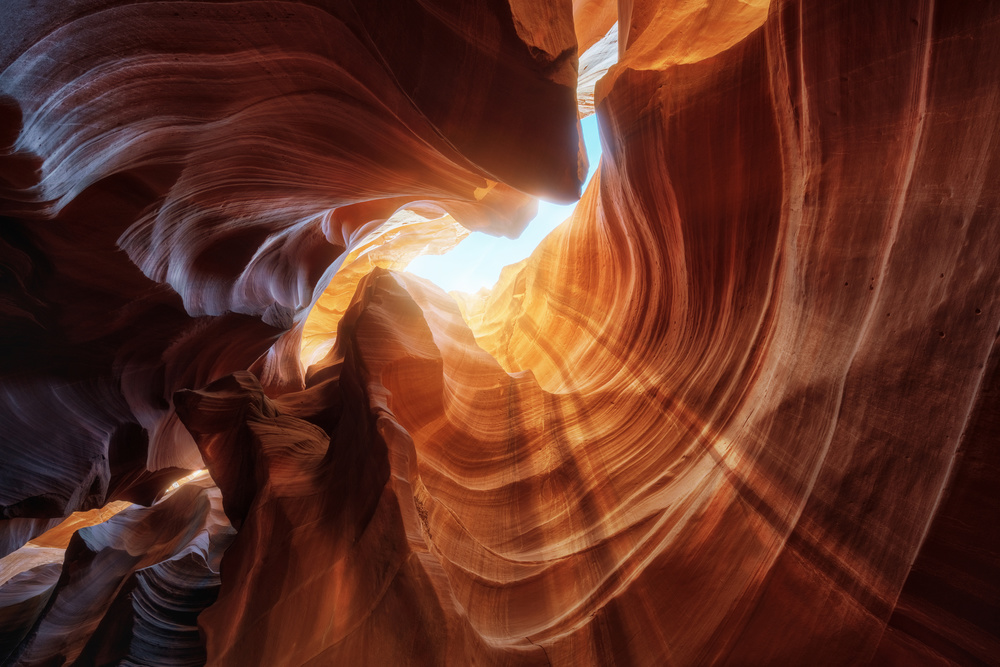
740,409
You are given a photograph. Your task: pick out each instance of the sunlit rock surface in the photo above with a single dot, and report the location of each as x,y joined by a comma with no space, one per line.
742,408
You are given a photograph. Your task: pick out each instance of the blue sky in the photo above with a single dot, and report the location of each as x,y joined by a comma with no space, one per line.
476,261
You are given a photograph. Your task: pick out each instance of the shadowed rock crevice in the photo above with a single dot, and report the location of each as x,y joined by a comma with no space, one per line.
740,408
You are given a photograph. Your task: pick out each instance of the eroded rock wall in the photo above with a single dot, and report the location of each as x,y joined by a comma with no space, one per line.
740,409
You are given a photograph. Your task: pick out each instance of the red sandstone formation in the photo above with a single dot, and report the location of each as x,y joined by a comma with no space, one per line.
742,408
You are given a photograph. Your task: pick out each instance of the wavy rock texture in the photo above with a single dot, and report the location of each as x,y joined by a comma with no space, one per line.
165,233
128,589
742,408
393,245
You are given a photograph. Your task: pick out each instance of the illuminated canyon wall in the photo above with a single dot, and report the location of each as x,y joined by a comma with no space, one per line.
742,408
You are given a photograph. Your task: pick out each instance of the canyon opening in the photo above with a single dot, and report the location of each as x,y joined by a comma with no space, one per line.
731,399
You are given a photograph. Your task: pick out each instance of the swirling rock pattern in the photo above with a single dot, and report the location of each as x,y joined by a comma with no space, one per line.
742,408
128,590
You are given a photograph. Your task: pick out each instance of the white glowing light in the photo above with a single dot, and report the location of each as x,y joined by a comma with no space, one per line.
476,262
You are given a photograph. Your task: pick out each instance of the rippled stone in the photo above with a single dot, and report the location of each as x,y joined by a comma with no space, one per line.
740,409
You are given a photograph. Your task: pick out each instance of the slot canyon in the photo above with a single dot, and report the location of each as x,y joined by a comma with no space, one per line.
741,408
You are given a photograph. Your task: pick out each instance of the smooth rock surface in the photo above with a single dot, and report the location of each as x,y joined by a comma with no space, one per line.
742,408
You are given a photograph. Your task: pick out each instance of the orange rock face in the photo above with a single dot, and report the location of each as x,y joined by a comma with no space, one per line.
742,408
